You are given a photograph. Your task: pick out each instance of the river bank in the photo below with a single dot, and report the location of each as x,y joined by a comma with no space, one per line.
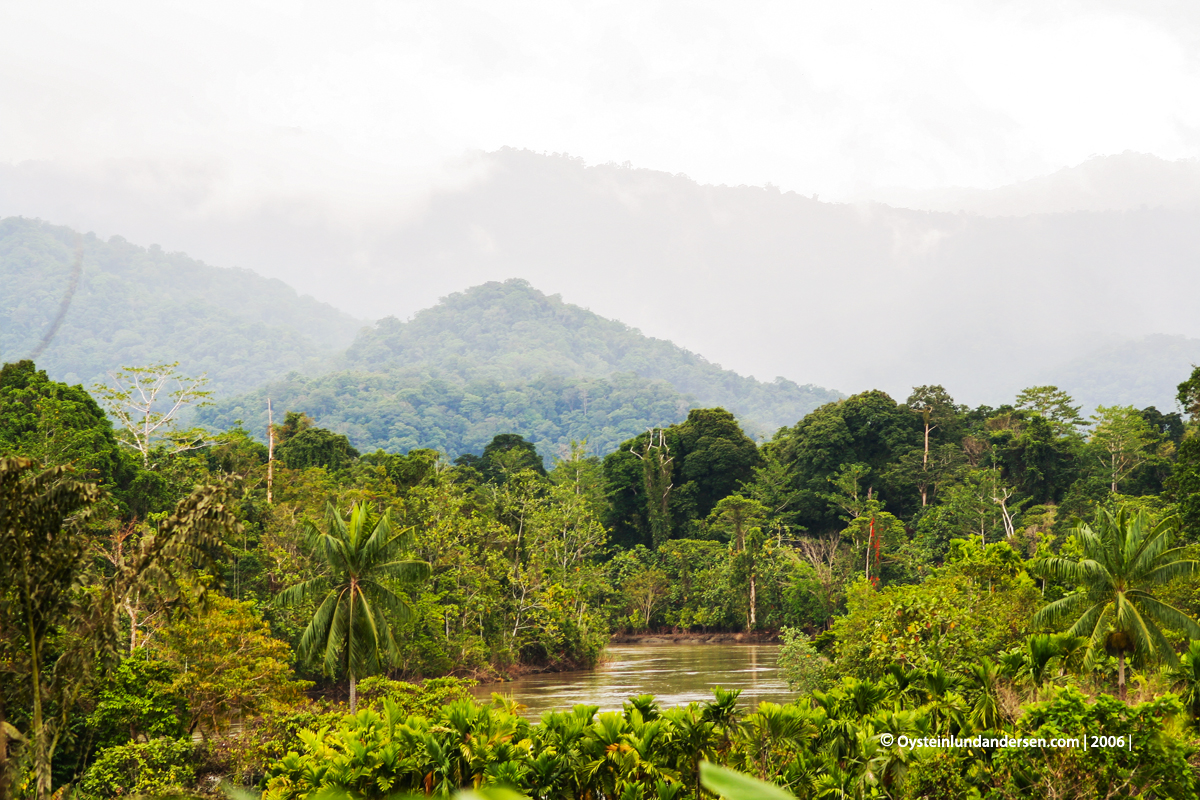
754,637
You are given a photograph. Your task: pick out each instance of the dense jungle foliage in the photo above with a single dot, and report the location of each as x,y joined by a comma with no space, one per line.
178,608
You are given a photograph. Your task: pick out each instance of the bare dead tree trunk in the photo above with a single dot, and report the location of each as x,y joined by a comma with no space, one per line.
270,450
753,600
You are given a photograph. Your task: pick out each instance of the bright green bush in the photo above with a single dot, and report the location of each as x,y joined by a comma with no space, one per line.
1153,761
154,768
804,669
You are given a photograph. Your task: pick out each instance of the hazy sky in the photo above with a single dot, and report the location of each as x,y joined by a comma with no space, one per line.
308,141
364,103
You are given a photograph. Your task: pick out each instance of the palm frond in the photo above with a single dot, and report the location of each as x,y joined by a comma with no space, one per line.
342,620
404,571
1171,570
303,592
1061,569
1167,615
387,599
1055,612
1100,629
1129,618
317,632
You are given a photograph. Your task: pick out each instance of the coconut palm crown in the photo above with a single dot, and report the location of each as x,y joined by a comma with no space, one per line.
364,562
1124,558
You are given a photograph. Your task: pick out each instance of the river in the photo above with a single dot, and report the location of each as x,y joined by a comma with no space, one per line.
676,674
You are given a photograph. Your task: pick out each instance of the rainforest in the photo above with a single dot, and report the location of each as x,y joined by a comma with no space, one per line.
254,546
188,610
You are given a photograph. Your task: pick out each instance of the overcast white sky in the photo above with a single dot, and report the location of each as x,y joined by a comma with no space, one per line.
362,103
292,138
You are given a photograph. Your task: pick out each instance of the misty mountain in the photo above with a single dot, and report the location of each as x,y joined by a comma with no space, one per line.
1140,373
771,283
762,281
504,357
134,306
1125,182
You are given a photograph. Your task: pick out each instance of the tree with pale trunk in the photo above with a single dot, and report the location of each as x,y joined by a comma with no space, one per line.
936,408
646,591
1055,405
1121,441
657,469
740,519
147,401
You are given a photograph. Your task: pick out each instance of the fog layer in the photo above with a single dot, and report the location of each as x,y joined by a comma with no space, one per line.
765,282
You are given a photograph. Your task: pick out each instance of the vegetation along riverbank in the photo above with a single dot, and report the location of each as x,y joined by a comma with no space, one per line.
930,570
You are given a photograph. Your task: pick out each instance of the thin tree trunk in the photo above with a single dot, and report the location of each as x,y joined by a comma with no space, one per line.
41,736
3,753
131,610
353,692
753,601
1121,674
270,450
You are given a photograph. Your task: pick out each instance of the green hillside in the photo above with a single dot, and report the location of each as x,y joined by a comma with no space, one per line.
135,306
505,358
501,357
511,331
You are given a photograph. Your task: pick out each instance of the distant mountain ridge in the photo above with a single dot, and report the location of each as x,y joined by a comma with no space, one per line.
1122,182
1139,372
497,358
136,305
764,281
506,358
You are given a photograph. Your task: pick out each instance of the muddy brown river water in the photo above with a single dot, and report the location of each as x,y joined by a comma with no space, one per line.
676,674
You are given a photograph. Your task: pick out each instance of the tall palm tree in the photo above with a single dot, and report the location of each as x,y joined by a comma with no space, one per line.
363,559
1124,559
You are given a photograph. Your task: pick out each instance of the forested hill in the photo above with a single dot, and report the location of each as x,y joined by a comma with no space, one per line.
505,358
134,306
511,331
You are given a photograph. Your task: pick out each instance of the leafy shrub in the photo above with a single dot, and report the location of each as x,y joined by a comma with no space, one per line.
246,754
804,669
134,702
1154,763
425,699
158,767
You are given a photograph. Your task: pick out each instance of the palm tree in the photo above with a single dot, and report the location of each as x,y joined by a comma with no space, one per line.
363,557
1124,559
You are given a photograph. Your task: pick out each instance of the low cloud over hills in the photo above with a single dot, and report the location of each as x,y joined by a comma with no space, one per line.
762,281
